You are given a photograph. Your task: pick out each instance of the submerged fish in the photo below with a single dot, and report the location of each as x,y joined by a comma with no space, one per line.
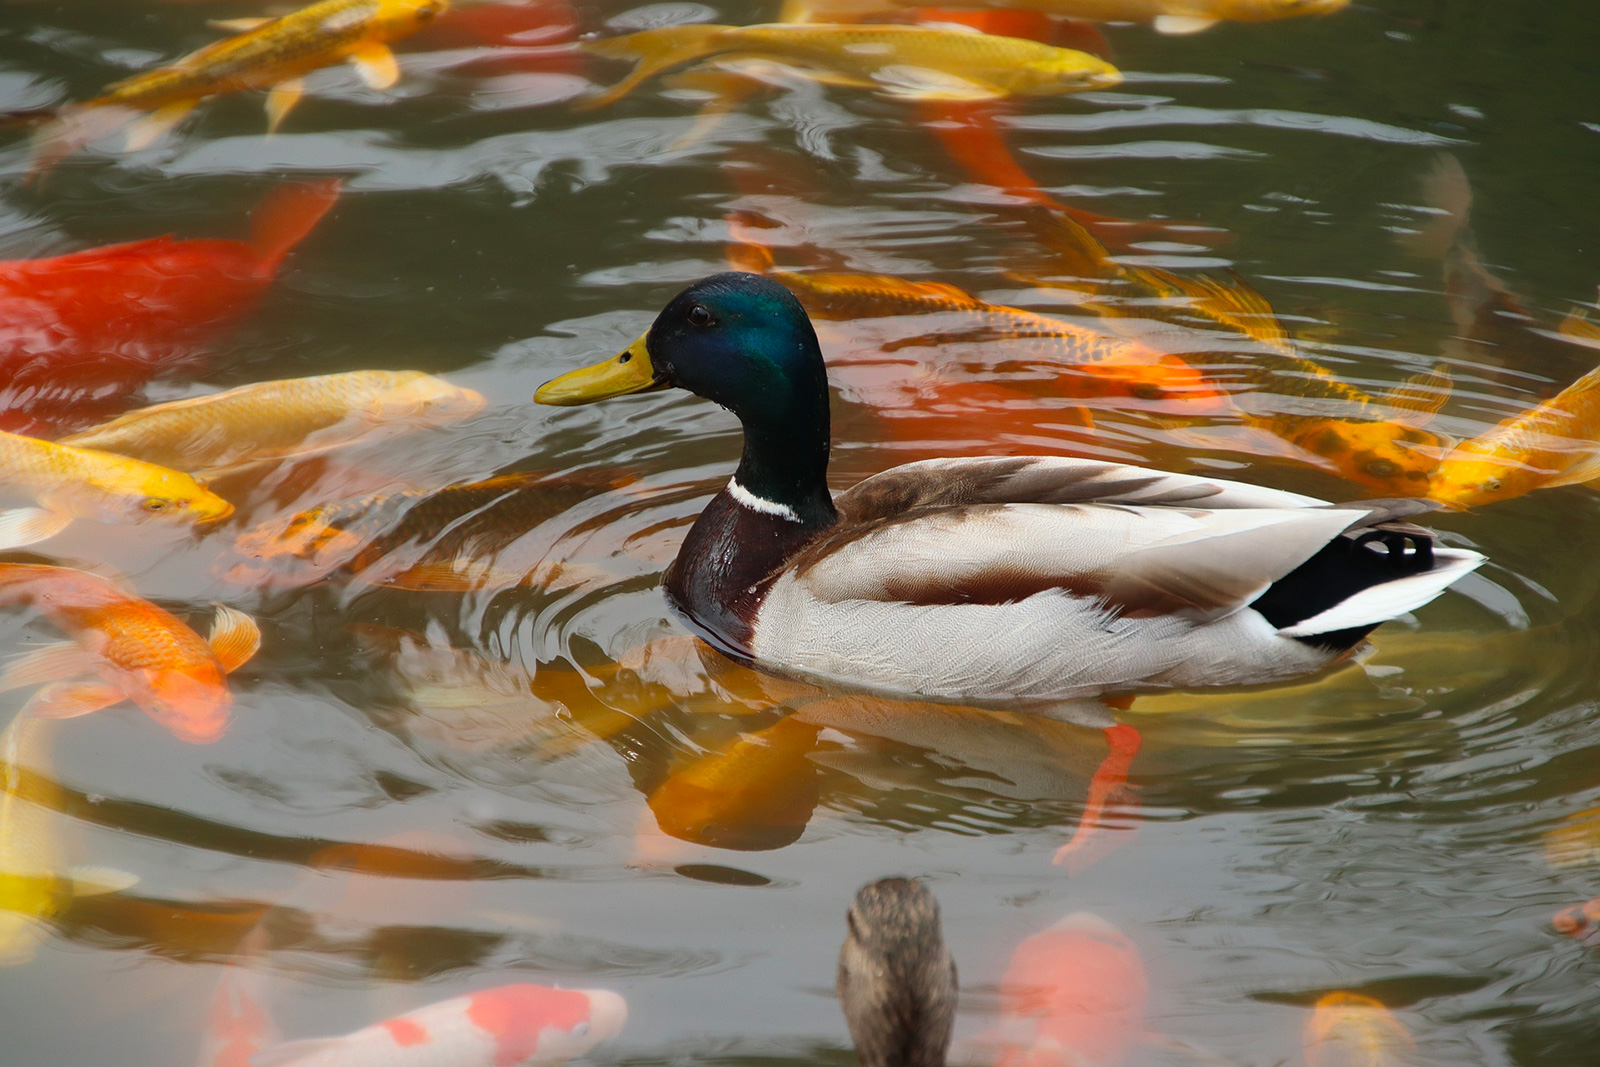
265,54
501,1027
757,793
1352,1030
1165,16
103,320
909,62
129,649
34,887
1084,362
67,483
1551,444
278,420
452,539
1074,993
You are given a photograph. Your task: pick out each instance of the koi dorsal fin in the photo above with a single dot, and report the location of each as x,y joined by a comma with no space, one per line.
1420,397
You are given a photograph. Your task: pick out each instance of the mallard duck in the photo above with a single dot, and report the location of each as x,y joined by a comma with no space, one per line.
897,982
1027,578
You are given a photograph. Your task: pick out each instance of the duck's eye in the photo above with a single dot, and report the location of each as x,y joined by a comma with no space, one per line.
700,315
155,503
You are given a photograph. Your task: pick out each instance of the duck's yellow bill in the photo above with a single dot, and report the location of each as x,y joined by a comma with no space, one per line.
628,372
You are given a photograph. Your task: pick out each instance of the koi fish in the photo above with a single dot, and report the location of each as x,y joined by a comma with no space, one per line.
757,793
103,320
239,1025
447,540
33,885
278,420
67,483
906,62
1551,444
1164,16
1087,363
130,648
1351,1029
263,54
1074,993
499,1027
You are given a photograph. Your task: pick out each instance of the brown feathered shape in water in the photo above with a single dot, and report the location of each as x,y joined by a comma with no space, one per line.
897,981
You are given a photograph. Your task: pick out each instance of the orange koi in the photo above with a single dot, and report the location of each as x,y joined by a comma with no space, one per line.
132,649
756,794
265,54
1352,1030
1551,444
1074,993
1164,16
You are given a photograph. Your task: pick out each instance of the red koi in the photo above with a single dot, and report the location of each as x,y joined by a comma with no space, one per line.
101,321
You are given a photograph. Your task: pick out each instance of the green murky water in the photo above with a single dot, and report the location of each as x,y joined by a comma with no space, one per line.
1378,829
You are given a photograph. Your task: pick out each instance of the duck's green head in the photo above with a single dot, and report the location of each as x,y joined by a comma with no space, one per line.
740,340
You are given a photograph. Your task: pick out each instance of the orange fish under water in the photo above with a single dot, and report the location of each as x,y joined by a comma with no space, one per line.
1352,1030
102,321
129,649
1075,993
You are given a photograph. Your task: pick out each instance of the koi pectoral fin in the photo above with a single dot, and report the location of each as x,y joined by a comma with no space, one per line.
50,663
234,638
281,100
236,25
150,129
69,700
1181,24
377,65
98,881
26,526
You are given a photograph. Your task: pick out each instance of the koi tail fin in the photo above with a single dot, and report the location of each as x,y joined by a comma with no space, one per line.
70,129
746,250
652,51
1229,301
1448,196
287,216
26,116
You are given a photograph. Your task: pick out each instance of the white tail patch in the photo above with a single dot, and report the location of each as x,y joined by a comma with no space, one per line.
1391,599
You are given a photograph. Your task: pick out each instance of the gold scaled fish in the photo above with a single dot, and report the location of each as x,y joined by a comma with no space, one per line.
1349,1029
278,420
1165,16
67,483
33,886
908,62
267,54
1554,443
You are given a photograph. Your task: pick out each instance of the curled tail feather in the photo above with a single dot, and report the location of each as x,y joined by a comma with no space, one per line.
653,51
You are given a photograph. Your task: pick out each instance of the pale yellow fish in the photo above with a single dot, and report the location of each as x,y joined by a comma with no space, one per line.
265,54
33,885
906,62
1574,841
1352,1030
65,483
1550,444
1165,16
279,420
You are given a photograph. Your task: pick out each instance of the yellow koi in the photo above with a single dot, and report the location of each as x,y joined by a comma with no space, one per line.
1352,1029
907,62
67,483
33,886
278,420
1553,443
266,54
1165,16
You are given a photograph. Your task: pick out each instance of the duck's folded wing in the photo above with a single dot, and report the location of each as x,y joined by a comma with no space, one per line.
936,483
1136,561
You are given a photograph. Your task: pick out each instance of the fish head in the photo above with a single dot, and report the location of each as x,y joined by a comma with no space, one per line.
1392,457
1172,381
305,534
533,1022
191,704
1468,478
1069,71
424,398
159,493
401,18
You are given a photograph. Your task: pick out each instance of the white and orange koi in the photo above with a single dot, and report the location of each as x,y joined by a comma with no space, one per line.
505,1026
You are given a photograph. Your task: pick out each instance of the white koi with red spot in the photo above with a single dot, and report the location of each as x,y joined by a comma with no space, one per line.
508,1026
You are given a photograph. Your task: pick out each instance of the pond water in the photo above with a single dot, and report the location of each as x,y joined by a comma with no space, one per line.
425,793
